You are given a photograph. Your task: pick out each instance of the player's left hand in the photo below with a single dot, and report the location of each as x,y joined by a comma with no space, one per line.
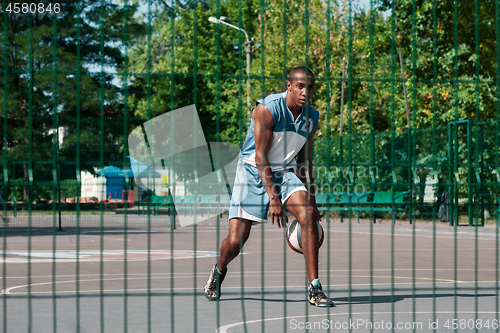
276,210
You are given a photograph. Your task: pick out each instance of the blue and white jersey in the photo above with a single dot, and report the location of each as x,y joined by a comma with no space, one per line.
288,136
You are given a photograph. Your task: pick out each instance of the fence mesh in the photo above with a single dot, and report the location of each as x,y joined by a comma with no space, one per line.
408,94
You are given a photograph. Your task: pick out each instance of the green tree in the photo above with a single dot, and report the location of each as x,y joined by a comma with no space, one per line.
449,50
438,46
47,64
186,59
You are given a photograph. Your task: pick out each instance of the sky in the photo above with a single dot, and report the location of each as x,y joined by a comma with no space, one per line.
365,3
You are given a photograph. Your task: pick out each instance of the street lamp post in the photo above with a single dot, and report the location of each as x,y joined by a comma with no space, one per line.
248,51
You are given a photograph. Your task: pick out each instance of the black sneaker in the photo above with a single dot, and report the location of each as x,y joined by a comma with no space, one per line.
317,296
212,288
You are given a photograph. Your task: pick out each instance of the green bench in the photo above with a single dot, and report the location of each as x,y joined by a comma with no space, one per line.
327,201
322,201
162,203
395,201
185,199
201,204
208,203
380,202
347,202
184,204
157,204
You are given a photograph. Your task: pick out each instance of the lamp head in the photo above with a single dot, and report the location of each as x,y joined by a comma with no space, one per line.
226,19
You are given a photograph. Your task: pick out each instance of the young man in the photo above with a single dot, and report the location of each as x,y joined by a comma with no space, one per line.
279,137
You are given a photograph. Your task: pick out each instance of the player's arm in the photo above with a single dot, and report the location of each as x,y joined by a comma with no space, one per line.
305,169
263,133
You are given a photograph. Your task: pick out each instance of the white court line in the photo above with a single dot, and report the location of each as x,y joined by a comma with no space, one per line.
238,272
8,290
415,236
331,287
65,256
274,287
223,329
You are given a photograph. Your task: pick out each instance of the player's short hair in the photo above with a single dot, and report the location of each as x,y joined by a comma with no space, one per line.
299,70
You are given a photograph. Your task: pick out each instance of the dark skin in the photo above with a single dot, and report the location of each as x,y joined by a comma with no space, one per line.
301,204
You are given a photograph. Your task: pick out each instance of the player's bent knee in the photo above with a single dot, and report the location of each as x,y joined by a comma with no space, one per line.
234,241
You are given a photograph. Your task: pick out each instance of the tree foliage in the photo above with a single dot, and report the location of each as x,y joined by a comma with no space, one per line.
191,61
49,62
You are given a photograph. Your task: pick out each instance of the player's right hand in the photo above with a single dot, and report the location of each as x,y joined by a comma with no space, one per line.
276,209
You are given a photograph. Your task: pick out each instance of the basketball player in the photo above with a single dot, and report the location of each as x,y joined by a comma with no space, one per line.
280,136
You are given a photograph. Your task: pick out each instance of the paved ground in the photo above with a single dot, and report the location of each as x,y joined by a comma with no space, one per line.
147,278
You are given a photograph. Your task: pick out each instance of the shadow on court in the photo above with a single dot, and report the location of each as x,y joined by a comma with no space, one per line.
264,300
376,299
398,298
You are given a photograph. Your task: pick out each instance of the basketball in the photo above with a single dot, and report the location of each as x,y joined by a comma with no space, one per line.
293,235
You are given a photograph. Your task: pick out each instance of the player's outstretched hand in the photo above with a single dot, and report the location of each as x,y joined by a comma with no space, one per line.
276,210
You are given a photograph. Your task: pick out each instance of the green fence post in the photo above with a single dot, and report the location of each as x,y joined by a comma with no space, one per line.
5,155
470,173
450,175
